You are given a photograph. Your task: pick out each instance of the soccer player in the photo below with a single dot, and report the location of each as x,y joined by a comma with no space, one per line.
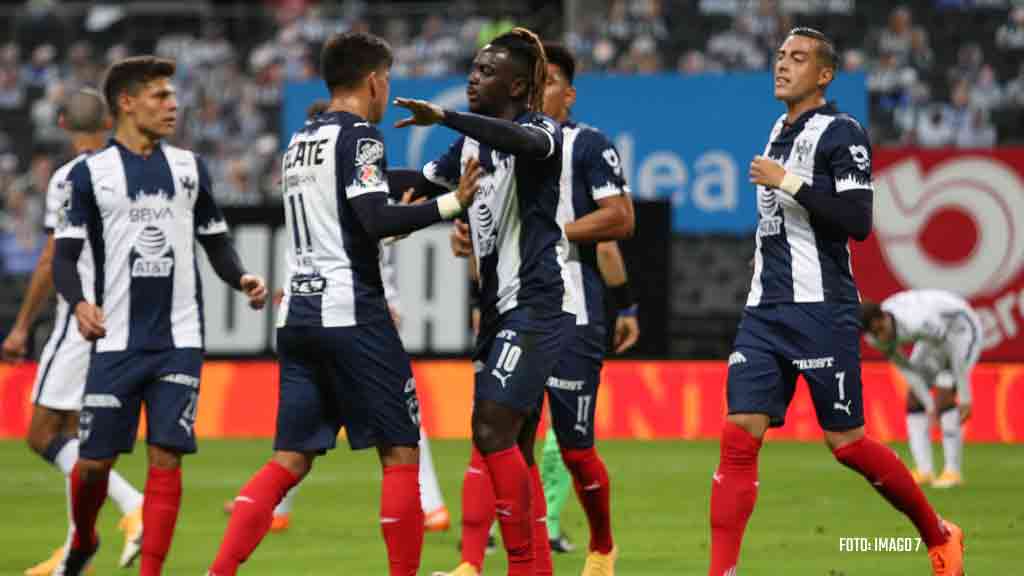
594,209
60,380
342,362
519,251
947,338
814,192
436,517
140,203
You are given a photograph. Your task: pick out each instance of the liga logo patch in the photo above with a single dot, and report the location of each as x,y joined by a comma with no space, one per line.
370,176
368,151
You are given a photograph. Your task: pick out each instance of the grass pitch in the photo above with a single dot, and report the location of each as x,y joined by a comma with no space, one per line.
806,504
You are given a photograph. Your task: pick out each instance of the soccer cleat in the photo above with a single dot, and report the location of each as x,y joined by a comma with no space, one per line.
464,569
948,558
47,567
948,479
921,478
131,525
562,544
437,520
280,522
76,561
598,564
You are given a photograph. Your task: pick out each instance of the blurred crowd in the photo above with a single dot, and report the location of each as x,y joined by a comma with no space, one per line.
939,72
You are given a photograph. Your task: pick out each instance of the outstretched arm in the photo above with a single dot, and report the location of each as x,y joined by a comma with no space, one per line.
502,135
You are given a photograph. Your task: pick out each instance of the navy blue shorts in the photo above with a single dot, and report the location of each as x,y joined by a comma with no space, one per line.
117,385
572,389
515,356
778,342
358,377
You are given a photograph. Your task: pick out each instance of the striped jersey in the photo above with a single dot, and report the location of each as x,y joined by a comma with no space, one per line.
798,259
334,266
591,171
140,215
58,196
518,245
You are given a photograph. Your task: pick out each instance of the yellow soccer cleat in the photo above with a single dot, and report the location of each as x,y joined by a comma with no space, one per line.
131,525
280,523
464,569
922,478
948,479
599,564
437,520
948,559
47,567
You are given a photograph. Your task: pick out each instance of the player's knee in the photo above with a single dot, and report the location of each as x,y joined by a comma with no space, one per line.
754,424
945,400
160,457
92,470
489,438
399,455
837,439
297,463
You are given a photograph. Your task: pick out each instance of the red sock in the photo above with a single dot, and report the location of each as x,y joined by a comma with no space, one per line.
252,515
159,515
401,518
733,494
511,481
86,501
477,510
541,544
594,491
886,472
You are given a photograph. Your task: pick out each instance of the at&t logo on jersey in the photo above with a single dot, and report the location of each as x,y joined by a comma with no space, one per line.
151,255
769,223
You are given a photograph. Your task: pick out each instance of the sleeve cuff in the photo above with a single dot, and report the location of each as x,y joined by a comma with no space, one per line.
791,183
448,205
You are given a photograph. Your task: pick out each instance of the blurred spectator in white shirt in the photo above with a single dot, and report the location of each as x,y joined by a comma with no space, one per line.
986,93
737,48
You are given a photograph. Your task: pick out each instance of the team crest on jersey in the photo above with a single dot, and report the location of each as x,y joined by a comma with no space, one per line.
188,184
861,157
612,158
151,254
802,150
368,151
369,176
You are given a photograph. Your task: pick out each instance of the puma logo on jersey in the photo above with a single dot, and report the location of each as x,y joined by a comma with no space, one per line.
503,378
840,407
737,358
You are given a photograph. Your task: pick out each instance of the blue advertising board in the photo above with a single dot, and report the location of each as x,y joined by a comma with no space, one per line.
689,139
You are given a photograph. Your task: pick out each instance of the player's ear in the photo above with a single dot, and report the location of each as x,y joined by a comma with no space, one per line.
825,76
570,97
518,88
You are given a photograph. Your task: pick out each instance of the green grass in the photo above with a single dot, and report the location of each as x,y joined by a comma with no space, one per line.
806,503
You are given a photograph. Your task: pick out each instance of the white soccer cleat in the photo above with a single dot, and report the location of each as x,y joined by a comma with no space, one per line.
131,525
948,479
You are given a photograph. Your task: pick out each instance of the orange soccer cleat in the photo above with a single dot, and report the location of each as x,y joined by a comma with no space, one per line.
948,558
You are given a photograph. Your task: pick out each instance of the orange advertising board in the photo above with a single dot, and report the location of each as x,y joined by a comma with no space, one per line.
638,399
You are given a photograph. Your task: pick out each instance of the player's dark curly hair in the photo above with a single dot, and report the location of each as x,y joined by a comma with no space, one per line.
826,52
560,56
869,312
526,46
131,74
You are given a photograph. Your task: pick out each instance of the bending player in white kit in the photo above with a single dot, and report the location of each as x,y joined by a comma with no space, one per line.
60,380
947,338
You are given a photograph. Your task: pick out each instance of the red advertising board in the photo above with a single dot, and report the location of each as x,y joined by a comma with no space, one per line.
639,400
954,220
